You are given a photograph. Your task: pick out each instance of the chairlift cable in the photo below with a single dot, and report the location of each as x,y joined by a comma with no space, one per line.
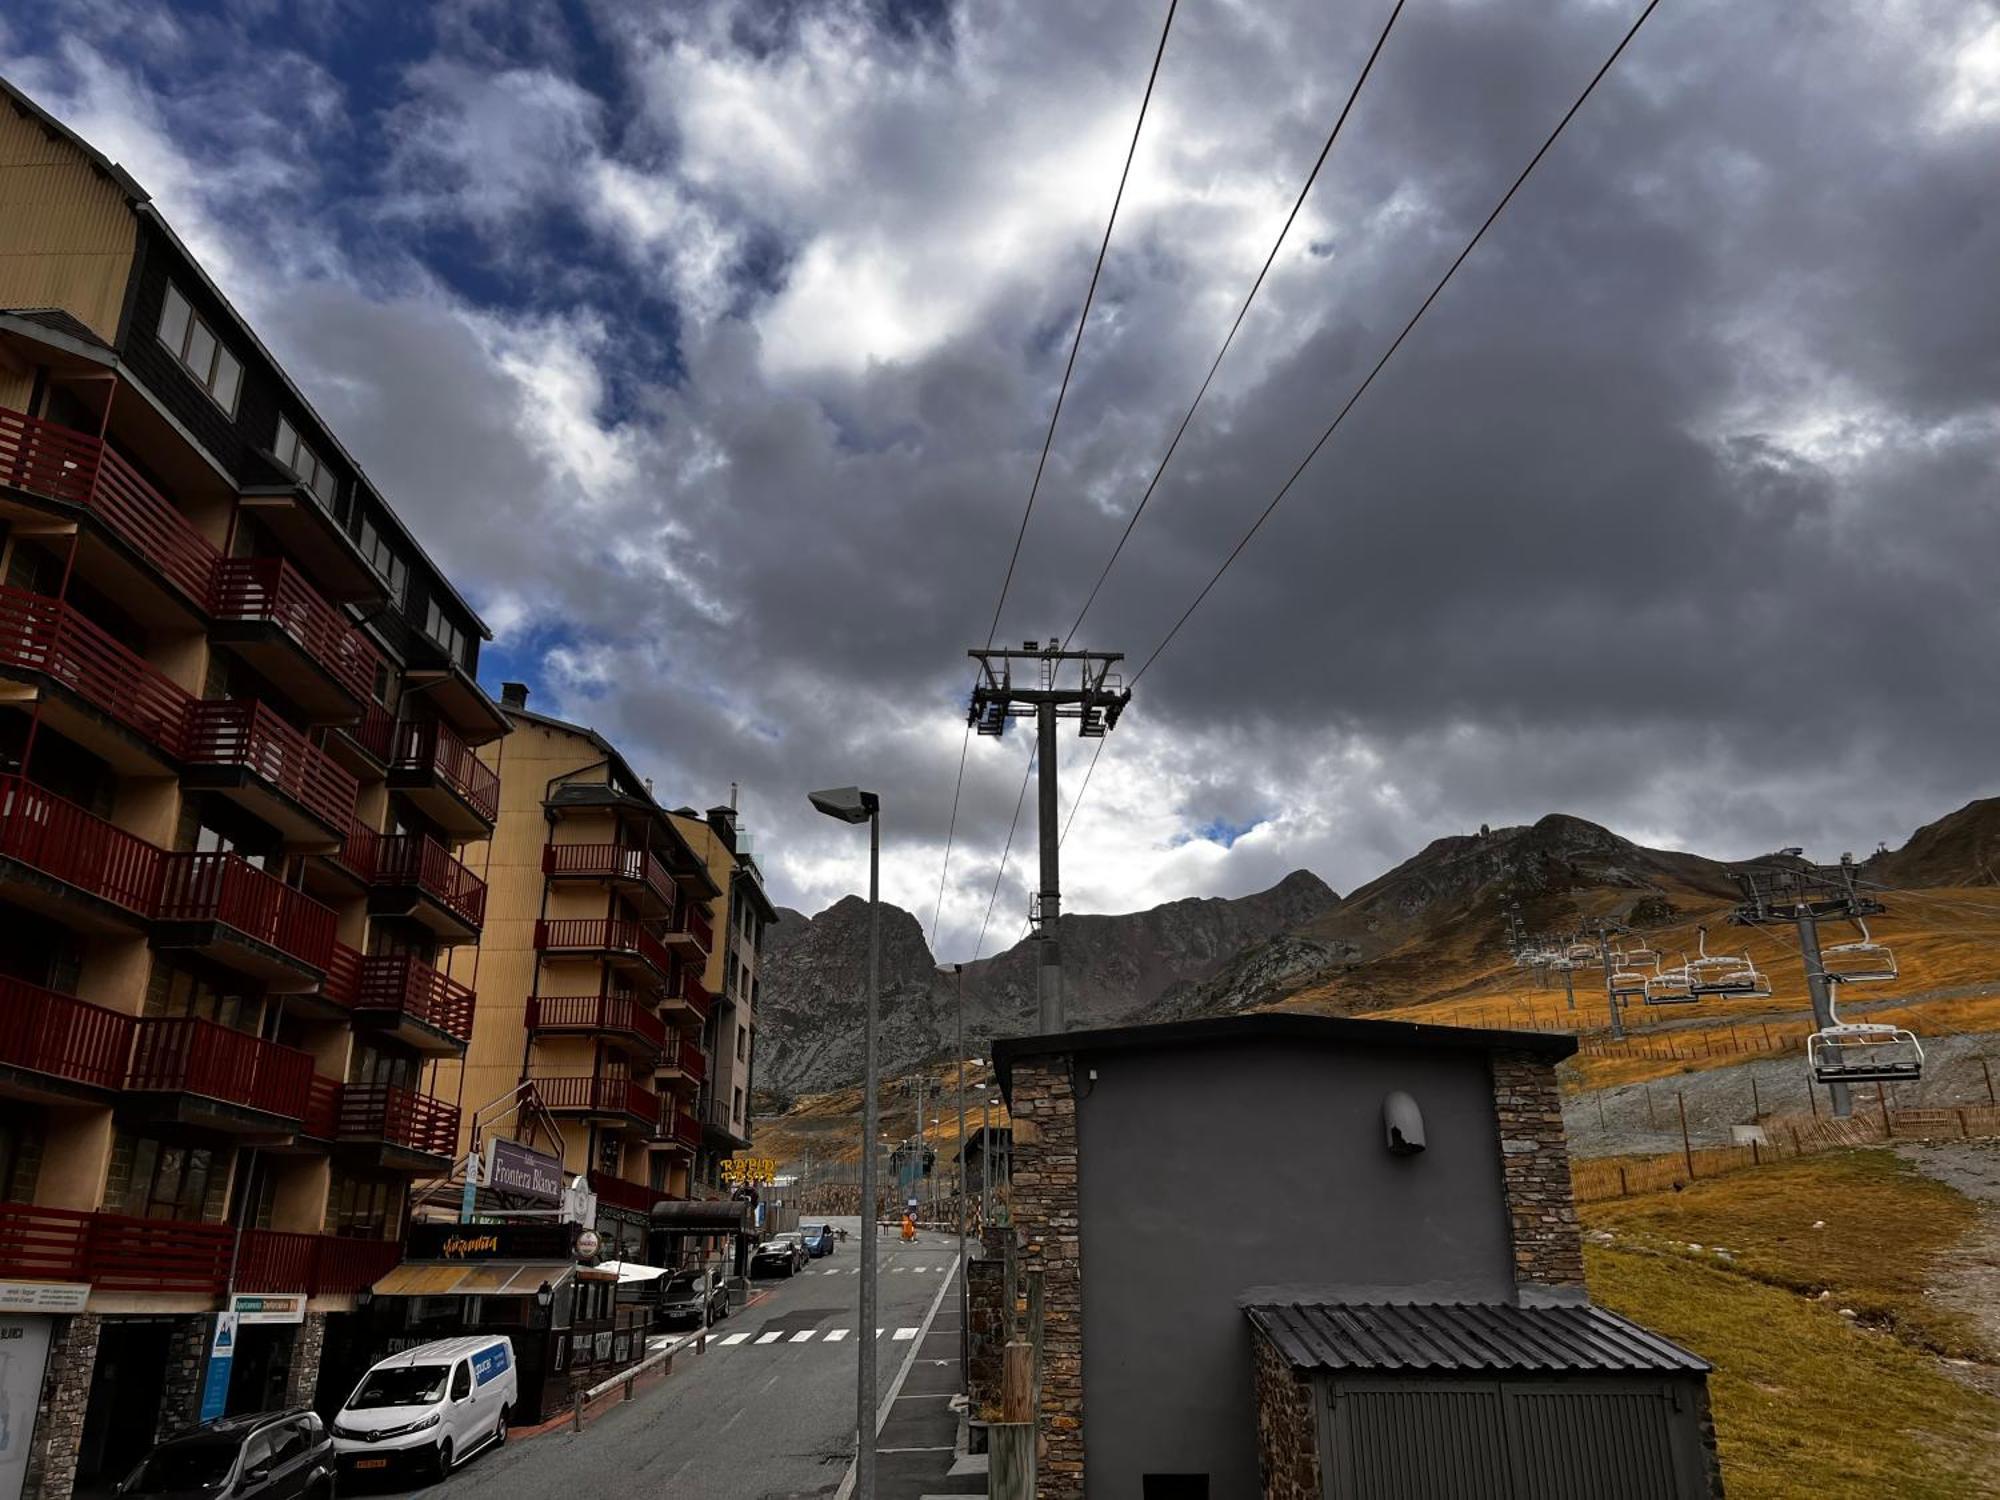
1242,312
1001,874
951,831
1397,342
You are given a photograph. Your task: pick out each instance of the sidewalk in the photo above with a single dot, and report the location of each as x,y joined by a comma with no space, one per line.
918,1445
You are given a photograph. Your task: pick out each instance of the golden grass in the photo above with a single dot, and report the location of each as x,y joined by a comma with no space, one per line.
1805,1402
1885,1225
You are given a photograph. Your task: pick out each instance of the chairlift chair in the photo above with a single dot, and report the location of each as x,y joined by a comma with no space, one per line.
1627,980
1864,1053
1862,961
1642,955
1744,981
1670,986
1581,953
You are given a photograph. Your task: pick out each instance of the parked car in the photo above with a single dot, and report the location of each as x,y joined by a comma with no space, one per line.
782,1256
429,1408
683,1294
819,1240
272,1455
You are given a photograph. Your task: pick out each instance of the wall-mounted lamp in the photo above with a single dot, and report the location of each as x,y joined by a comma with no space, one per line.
544,1295
1402,1124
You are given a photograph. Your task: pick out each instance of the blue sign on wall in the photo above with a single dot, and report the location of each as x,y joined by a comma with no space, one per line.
488,1363
215,1388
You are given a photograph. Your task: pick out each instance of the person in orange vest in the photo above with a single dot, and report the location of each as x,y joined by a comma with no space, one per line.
909,1229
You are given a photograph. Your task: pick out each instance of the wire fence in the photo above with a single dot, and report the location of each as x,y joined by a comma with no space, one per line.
1781,1138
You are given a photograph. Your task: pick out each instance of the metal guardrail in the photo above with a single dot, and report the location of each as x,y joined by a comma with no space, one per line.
664,1359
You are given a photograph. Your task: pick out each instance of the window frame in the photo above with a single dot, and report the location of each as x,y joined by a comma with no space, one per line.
181,345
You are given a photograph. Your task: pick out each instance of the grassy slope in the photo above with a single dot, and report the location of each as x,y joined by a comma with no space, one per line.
1806,1401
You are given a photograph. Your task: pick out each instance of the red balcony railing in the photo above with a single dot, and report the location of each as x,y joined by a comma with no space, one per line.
342,984
322,1116
158,1255
376,733
356,853
596,1013
620,1192
49,638
397,982
44,1244
271,590
609,862
42,1031
433,748
684,1053
65,843
351,1265
188,1055
383,1112
692,993
680,1127
594,935
45,458
599,1096
406,859
693,920
227,888
248,735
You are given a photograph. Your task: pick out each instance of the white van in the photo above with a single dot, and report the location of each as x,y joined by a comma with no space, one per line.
430,1408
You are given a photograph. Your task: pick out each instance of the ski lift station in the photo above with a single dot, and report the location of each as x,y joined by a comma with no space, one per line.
1365,1235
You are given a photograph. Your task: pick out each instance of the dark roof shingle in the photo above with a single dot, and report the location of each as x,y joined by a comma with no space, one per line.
1462,1337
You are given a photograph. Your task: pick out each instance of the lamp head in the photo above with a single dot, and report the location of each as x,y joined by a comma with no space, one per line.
848,803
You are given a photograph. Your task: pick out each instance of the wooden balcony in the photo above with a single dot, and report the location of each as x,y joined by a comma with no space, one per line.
319,1265
94,689
692,935
636,872
678,1130
365,746
227,909
75,475
242,750
406,997
267,614
620,1018
59,859
126,1254
602,1098
624,945
402,1122
689,994
439,772
222,1079
52,1044
684,1059
620,1192
413,876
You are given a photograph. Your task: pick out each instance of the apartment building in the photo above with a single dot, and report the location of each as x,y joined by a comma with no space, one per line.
239,761
741,915
597,938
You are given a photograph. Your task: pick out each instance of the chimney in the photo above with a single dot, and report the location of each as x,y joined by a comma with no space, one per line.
513,695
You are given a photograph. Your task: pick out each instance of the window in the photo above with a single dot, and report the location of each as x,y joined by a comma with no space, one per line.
737,1112
195,345
382,557
742,1044
461,1381
292,452
441,630
153,1180
359,1208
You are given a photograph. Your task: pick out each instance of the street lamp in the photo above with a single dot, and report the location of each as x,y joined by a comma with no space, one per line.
852,805
964,1291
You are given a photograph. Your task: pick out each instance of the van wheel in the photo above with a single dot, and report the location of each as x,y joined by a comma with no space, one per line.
442,1465
500,1429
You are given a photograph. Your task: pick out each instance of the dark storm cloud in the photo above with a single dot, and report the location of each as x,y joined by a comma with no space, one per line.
1677,512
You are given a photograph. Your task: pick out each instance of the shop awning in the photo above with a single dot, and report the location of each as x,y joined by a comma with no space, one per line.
491,1278
630,1271
717,1216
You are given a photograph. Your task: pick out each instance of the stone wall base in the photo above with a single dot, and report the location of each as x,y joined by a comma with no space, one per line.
58,1435
1287,1430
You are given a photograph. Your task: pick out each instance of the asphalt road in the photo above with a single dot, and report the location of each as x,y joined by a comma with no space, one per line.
766,1413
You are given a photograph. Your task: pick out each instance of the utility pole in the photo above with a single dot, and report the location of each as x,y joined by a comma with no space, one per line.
1094,697
1611,991
1802,896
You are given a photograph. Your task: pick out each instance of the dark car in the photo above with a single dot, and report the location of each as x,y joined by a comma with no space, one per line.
779,1257
683,1294
819,1240
271,1455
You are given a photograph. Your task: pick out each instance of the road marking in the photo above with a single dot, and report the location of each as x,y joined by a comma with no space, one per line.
734,1339
769,1338
835,1335
804,1335
846,1490
904,1335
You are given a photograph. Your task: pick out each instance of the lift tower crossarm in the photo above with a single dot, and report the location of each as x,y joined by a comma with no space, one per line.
1094,696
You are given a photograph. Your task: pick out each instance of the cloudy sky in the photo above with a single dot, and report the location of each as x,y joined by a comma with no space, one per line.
710,347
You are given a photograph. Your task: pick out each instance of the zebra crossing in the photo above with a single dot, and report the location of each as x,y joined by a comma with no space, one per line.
886,1270
752,1340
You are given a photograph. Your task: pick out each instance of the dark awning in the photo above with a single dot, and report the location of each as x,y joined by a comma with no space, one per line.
1464,1337
719,1216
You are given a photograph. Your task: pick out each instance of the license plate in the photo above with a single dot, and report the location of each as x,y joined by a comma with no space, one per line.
371,1463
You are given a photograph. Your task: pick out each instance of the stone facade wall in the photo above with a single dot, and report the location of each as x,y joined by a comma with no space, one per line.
1714,1455
302,1375
1042,1102
1534,1160
1287,1432
986,1333
187,1364
52,1453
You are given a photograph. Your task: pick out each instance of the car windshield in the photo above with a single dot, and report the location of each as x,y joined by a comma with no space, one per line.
404,1385
773,1247
185,1466
682,1284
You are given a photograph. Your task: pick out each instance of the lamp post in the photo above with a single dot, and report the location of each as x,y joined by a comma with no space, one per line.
852,805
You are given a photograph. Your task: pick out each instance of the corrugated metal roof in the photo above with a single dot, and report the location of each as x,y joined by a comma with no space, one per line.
1465,1336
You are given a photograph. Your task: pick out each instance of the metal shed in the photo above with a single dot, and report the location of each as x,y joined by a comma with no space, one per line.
1489,1401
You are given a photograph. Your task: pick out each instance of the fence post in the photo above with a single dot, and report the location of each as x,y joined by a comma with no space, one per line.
576,1411
1756,1105
1651,1123
1962,1130
1687,1151
1882,1103
1988,1071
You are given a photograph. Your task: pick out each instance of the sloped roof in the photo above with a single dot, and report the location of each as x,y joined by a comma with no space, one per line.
1466,1337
